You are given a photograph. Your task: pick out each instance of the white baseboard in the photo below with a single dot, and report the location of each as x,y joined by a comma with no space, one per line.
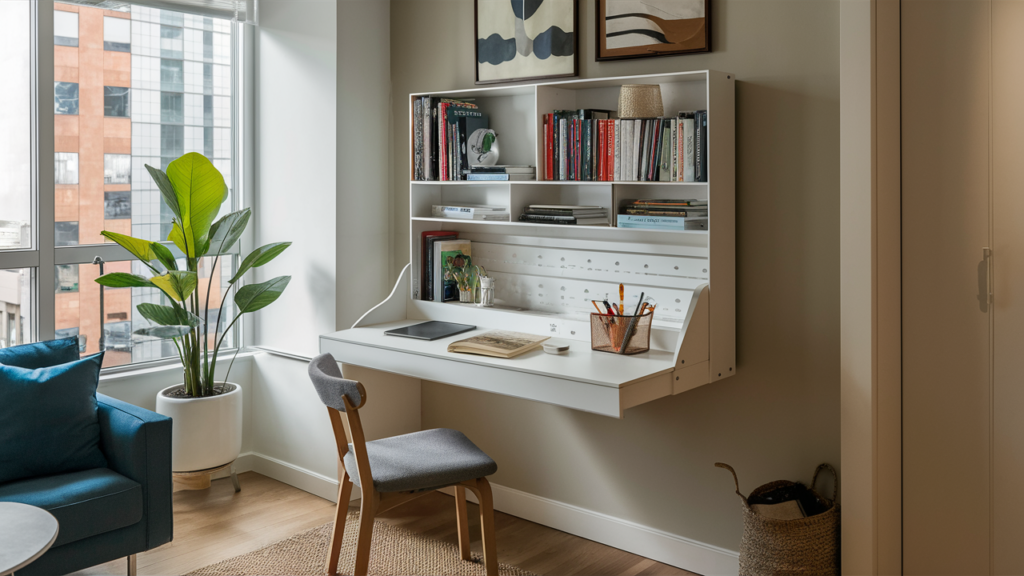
622,534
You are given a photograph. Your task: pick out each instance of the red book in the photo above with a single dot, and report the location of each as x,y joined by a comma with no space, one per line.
549,120
611,151
600,149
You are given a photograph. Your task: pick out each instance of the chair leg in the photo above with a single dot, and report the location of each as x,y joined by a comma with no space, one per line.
132,565
482,488
367,511
462,520
338,532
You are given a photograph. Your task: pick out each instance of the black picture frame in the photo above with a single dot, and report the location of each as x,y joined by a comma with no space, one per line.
603,54
575,57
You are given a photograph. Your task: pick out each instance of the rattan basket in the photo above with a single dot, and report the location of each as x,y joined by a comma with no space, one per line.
802,546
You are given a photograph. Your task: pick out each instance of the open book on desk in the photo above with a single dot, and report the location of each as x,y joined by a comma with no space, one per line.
498,343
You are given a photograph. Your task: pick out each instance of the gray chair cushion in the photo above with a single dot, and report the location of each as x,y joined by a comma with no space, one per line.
422,461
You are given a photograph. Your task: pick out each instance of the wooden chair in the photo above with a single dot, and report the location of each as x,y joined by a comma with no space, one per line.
395,470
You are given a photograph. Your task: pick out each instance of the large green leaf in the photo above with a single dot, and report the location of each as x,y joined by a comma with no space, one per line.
123,280
164,332
141,249
166,190
177,284
167,315
259,257
164,255
255,296
200,190
226,231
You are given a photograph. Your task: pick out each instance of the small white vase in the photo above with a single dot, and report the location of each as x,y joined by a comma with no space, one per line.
205,432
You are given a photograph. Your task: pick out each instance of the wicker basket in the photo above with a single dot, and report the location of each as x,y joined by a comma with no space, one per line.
802,546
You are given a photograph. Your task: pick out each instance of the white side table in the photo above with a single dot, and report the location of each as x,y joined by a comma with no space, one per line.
26,532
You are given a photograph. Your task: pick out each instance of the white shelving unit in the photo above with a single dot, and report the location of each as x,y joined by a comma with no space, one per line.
546,275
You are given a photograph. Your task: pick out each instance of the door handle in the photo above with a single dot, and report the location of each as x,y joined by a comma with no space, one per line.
987,257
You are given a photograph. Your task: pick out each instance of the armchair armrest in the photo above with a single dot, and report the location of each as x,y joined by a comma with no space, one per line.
137,444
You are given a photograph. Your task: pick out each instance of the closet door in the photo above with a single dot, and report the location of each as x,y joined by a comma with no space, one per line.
1008,286
945,63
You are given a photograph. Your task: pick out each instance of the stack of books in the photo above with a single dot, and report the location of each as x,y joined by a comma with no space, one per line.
470,212
664,215
561,214
590,145
440,139
505,172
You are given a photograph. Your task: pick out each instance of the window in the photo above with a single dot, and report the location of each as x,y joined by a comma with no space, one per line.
117,34
66,168
117,169
65,28
66,233
116,102
172,75
65,98
117,205
172,108
100,147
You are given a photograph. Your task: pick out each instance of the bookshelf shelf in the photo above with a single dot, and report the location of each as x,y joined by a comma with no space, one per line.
546,276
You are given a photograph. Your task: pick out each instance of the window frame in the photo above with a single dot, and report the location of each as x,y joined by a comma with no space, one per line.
43,256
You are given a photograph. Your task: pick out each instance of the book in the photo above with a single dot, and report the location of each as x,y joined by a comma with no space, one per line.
502,169
448,256
661,222
665,167
548,147
634,153
687,119
470,212
417,139
703,127
426,273
669,202
698,148
565,220
498,344
499,177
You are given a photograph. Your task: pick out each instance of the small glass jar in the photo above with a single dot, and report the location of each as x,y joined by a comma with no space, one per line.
466,296
486,292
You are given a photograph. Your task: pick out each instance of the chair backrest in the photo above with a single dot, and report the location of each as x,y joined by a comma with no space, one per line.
343,399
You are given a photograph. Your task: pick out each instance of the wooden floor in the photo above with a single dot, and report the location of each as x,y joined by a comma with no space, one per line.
217,524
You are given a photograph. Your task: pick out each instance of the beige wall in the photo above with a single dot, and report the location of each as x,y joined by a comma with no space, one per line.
779,417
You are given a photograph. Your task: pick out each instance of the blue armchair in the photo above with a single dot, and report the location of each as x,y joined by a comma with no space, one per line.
113,512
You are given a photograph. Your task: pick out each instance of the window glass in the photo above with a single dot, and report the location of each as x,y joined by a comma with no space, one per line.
117,169
66,233
171,42
117,34
117,205
66,168
117,102
79,309
172,75
15,303
172,108
65,28
15,125
65,98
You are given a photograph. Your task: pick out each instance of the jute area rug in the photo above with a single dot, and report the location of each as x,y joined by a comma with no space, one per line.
394,552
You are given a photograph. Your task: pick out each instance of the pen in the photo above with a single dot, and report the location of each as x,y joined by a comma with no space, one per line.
594,302
639,305
622,299
609,307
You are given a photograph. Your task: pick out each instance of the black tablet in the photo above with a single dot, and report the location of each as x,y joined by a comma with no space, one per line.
432,330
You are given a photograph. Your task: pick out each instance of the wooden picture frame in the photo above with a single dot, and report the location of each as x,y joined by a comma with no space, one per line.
499,59
690,33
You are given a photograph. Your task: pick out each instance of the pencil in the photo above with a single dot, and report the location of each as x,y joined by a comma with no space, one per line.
594,302
622,299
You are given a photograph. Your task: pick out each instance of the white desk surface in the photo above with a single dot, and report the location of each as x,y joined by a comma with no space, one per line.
580,364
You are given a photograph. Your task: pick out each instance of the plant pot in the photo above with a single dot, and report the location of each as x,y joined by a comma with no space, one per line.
206,432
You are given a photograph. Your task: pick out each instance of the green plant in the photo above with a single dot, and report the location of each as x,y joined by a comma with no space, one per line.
194,190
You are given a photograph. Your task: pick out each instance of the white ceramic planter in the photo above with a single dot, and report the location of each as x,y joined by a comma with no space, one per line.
206,432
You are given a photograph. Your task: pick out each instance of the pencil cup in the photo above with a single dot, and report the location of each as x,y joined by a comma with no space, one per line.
610,333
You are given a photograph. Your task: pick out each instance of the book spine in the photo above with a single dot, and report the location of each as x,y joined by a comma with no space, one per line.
698,143
674,140
549,148
666,151
585,150
656,220
562,149
634,160
488,177
428,142
617,151
704,145
609,170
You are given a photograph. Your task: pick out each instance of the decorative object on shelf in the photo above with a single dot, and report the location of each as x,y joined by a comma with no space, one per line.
640,101
207,413
483,147
525,40
486,292
630,29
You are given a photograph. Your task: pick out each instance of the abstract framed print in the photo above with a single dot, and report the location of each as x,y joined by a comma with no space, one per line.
646,28
526,40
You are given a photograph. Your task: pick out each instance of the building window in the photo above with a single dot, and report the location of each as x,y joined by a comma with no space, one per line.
65,98
117,205
67,280
171,42
117,102
172,107
65,28
66,234
117,169
118,335
117,34
65,168
60,333
172,142
172,75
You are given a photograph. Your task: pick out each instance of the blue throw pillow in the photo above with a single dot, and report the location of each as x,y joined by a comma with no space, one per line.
49,421
41,354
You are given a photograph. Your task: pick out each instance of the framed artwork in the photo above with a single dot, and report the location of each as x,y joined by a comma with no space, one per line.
645,28
526,40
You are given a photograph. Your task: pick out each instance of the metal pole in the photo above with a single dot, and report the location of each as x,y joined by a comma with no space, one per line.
103,330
